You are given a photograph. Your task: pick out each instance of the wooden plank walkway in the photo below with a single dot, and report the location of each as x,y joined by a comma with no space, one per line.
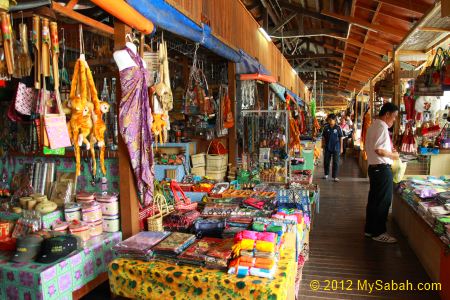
339,251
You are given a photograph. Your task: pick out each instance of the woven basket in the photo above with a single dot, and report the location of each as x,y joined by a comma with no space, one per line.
198,171
216,162
198,160
155,222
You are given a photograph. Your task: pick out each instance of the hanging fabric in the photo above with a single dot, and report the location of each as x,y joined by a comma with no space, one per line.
408,141
135,121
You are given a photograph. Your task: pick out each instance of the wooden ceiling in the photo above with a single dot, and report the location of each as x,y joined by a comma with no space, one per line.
344,41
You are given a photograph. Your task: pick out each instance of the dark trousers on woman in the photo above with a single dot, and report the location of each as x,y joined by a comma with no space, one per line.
380,198
327,160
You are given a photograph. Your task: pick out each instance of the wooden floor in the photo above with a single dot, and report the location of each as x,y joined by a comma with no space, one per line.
339,251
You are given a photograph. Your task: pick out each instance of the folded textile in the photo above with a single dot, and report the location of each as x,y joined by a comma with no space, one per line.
258,262
284,216
250,240
175,243
255,253
230,232
181,220
199,248
250,212
140,245
221,249
245,271
255,235
265,246
278,229
241,220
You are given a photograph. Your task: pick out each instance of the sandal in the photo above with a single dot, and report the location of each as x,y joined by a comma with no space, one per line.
385,238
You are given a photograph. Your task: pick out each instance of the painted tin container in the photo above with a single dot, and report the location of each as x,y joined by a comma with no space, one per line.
91,212
95,228
109,203
111,223
72,211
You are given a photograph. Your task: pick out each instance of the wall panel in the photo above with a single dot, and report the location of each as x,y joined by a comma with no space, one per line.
234,25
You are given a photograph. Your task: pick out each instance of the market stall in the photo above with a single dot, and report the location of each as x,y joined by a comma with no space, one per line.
218,234
420,209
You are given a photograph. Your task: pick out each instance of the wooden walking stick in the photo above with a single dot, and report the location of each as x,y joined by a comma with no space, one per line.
36,40
45,48
7,44
55,52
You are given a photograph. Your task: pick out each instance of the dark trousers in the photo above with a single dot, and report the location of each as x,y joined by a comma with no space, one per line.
327,160
379,200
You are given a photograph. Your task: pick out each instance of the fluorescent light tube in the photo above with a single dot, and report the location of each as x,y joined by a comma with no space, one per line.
264,33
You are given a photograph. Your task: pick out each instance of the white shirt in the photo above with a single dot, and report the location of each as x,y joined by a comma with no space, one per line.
377,137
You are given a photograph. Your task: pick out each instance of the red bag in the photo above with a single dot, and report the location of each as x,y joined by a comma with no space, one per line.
216,147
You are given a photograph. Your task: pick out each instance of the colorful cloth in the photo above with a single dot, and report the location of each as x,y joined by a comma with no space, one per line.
135,120
162,280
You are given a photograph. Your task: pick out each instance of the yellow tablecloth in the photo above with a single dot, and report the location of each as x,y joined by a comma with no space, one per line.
162,280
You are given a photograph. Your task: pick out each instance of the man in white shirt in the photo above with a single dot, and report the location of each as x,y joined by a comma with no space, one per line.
380,154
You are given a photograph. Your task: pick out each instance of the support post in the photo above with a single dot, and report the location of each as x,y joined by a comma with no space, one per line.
371,98
445,8
232,134
129,207
356,110
397,92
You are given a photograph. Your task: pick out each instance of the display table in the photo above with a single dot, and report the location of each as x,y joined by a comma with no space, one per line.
431,251
62,279
163,280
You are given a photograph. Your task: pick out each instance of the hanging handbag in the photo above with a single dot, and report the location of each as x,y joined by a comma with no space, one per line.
445,72
229,119
24,100
429,83
55,124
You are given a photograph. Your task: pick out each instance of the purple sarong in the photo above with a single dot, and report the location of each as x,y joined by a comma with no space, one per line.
135,121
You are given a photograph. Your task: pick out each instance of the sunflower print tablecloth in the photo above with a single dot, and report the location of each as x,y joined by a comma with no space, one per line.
162,280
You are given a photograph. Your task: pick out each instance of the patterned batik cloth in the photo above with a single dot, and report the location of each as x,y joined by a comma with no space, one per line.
135,121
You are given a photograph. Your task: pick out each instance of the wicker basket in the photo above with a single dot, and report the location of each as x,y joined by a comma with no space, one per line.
198,160
155,222
216,162
217,175
198,171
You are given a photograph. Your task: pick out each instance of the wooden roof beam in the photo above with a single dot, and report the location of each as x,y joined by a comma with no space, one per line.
285,21
434,29
312,32
105,29
313,14
364,65
367,25
366,37
385,14
312,56
412,6
367,46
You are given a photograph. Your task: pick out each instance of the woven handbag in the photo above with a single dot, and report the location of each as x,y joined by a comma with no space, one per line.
24,101
56,124
155,222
